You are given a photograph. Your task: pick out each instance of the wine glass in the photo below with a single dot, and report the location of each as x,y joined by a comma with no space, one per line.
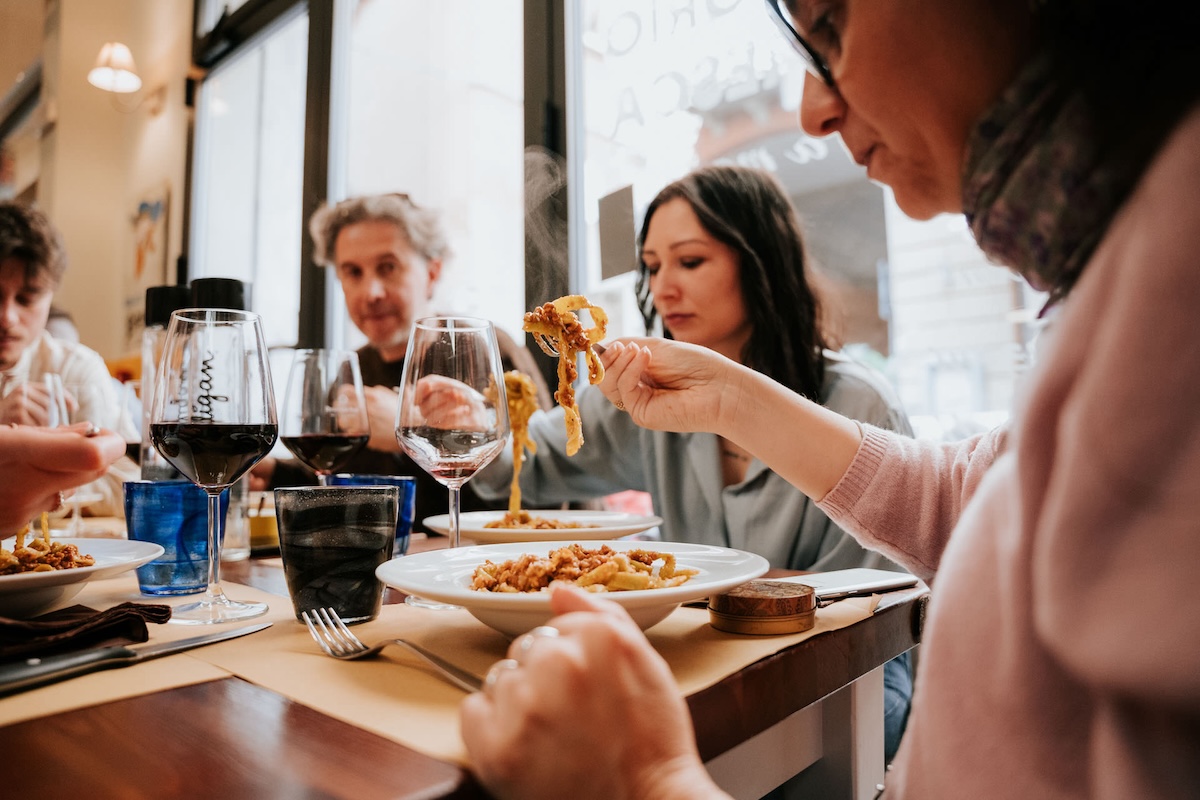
87,402
212,418
56,407
453,415
37,401
324,420
46,392
130,395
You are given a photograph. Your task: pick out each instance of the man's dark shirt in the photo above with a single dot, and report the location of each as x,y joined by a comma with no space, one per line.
432,497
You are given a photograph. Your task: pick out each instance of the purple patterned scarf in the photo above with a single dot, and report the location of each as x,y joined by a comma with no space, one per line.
1038,190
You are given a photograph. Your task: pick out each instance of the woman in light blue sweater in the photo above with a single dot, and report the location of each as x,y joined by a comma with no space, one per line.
722,265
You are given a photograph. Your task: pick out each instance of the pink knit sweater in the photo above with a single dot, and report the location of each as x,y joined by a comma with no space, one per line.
1061,655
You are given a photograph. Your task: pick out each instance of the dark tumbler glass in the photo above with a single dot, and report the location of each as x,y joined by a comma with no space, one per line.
331,539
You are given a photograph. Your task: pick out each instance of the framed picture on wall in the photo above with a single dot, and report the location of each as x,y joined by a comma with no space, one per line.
147,264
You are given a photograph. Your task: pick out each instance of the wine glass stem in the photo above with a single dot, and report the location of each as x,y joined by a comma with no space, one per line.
214,538
454,504
322,478
74,525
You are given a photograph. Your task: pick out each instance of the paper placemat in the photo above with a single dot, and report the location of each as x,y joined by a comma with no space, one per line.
395,696
159,674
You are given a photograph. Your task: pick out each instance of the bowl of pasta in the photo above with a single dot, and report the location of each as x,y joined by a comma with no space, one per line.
504,586
499,527
46,582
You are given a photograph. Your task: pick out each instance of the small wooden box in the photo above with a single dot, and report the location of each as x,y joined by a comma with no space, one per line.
764,608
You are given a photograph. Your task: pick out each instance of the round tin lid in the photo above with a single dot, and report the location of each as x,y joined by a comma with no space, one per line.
764,608
765,599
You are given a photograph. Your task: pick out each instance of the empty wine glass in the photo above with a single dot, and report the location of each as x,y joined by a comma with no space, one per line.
57,410
453,416
88,402
324,419
45,399
213,418
34,400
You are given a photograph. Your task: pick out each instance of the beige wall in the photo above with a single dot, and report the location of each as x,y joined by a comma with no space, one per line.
20,31
101,153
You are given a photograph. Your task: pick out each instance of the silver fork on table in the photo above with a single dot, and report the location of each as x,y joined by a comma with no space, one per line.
337,640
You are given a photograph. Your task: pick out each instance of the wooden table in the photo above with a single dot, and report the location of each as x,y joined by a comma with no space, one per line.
817,705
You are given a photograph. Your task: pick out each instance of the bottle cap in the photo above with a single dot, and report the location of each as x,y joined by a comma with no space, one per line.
220,293
162,300
764,608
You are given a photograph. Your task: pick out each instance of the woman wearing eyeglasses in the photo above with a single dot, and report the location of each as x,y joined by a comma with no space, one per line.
1060,649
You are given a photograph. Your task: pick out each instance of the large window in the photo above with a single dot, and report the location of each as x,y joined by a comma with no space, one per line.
379,96
432,105
249,173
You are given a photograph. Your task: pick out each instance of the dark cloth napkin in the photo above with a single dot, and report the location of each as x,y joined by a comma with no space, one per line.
76,628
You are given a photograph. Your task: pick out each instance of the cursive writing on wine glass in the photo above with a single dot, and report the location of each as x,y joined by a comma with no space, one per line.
202,410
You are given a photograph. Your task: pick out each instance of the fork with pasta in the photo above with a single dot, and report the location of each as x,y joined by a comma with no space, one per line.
559,333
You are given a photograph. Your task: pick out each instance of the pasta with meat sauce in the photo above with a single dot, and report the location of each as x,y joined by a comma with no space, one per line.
41,554
600,570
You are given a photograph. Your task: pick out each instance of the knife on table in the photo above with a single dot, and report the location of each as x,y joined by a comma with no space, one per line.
33,672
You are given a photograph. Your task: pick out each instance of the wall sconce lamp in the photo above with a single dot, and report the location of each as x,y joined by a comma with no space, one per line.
115,72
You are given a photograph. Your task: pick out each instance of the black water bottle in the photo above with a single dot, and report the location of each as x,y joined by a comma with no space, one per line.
160,302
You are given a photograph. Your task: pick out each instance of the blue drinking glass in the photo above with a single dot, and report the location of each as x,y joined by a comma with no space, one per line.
408,494
173,514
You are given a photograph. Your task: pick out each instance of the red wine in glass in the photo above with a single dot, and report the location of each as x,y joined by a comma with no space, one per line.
324,420
212,455
325,453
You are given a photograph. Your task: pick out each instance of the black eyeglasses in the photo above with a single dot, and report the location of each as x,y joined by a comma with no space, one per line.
814,61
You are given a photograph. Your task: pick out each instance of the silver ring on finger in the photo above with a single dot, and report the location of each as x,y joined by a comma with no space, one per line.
527,640
496,670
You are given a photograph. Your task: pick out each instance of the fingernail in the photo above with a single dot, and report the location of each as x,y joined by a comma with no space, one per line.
599,349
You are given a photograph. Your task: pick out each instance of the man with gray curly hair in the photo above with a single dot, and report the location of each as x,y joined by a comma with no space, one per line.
388,254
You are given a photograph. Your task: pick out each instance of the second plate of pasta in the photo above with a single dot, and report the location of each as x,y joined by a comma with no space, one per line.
445,576
592,525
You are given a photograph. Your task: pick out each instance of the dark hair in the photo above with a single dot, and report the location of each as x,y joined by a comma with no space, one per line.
27,235
421,226
749,211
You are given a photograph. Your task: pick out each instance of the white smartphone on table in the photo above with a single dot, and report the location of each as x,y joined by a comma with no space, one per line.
859,582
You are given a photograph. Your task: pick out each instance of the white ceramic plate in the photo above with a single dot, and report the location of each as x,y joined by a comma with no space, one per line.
28,594
445,576
609,525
